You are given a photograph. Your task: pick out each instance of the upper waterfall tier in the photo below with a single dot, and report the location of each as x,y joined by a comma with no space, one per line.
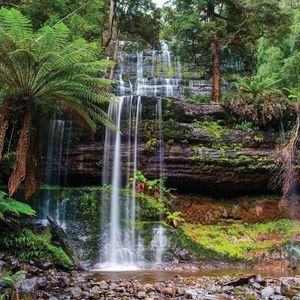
155,73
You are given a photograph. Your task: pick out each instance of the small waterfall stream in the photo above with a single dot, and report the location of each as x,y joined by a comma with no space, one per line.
59,135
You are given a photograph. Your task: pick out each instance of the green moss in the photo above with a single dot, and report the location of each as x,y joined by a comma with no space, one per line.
259,138
151,208
227,156
151,145
236,241
212,128
26,245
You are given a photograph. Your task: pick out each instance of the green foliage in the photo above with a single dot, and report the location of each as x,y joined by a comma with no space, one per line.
7,163
26,245
151,208
264,109
244,125
174,218
199,98
213,128
12,208
155,187
235,24
256,84
14,279
54,71
239,241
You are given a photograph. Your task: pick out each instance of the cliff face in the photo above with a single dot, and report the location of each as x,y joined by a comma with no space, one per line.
203,151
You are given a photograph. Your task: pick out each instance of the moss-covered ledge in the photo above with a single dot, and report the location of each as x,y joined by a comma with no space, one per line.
242,242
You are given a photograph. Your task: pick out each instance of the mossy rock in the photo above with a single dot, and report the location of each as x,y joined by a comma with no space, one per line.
236,241
27,245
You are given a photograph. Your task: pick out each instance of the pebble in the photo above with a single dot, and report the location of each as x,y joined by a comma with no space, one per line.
76,292
141,295
267,292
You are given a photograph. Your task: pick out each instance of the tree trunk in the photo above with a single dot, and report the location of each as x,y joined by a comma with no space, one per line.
19,172
110,23
115,55
215,70
3,124
33,174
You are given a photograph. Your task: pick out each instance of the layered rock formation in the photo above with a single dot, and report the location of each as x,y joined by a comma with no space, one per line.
203,151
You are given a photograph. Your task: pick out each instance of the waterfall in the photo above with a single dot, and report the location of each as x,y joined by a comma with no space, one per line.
122,245
160,241
159,244
59,136
159,81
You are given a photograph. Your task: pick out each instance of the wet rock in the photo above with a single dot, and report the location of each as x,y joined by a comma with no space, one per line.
141,295
103,285
32,269
169,291
181,291
2,264
2,284
149,287
256,285
227,289
76,292
113,286
95,293
278,297
47,266
28,286
290,287
267,292
42,283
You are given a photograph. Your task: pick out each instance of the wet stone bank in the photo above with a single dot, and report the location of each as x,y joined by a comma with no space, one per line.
47,282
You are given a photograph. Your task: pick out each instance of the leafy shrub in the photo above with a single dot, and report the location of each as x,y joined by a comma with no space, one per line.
174,218
264,108
256,85
213,128
199,98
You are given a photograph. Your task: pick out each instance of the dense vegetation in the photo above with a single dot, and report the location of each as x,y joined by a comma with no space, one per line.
53,64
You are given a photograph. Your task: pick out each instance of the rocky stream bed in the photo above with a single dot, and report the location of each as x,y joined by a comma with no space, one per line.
48,282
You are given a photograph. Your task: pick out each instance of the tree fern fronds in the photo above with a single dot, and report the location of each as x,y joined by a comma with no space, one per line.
16,25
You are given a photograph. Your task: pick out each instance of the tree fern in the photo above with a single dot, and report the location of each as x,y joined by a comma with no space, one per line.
48,70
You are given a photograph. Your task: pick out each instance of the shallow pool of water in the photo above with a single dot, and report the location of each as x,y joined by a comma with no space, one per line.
151,276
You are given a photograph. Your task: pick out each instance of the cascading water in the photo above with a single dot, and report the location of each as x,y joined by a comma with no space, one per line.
59,135
158,78
123,247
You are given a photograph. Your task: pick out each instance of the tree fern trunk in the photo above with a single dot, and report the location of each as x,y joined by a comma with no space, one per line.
19,172
33,174
3,124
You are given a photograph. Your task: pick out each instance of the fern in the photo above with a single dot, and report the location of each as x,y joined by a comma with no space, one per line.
13,208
